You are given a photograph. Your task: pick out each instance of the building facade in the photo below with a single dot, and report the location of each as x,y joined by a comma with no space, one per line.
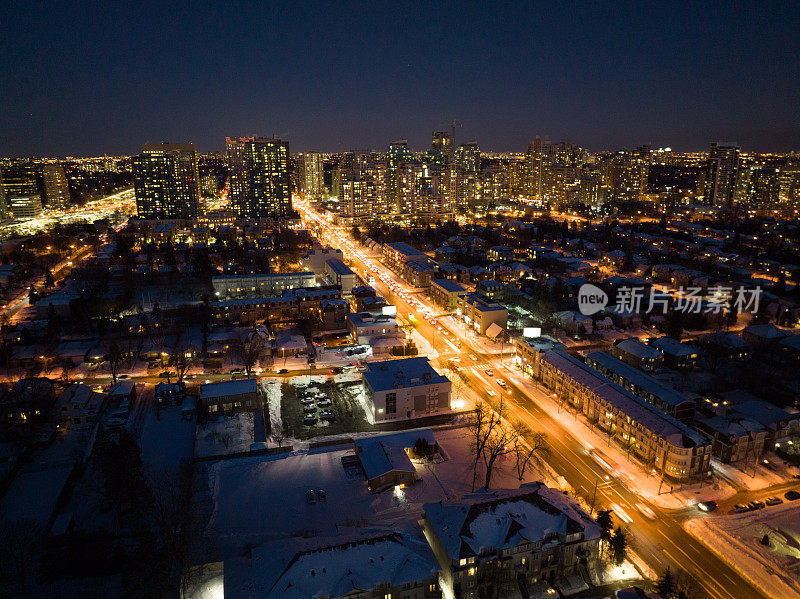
259,177
535,532
656,439
166,181
406,388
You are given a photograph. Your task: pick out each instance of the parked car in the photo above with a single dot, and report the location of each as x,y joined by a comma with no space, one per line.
283,371
740,508
310,498
792,495
327,415
774,501
324,403
322,495
490,373
757,505
310,420
310,408
236,371
307,400
165,374
707,506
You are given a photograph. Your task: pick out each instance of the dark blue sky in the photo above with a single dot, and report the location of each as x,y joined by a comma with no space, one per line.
106,77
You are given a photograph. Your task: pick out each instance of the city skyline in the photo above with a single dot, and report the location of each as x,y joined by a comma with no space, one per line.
361,76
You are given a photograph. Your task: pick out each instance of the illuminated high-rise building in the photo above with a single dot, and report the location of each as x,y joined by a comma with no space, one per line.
259,176
311,177
56,186
537,157
3,202
397,154
441,153
589,190
166,181
21,188
345,170
723,169
469,157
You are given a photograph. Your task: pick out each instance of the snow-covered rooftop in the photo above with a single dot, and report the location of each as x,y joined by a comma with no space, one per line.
505,518
338,566
226,388
406,372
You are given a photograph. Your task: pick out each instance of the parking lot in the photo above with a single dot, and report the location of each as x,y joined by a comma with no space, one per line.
321,409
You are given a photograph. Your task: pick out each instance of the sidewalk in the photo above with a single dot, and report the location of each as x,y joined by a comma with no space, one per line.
613,458
478,344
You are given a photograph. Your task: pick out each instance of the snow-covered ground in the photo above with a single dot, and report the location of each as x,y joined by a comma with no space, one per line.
35,489
745,480
227,434
737,540
360,395
271,389
261,498
167,440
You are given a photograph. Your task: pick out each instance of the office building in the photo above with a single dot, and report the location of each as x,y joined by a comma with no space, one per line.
21,189
56,186
3,201
484,317
259,177
721,177
26,206
311,176
166,181
406,388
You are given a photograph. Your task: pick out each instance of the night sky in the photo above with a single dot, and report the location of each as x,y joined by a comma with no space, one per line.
93,79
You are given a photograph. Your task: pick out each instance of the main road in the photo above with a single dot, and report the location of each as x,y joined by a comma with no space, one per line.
658,538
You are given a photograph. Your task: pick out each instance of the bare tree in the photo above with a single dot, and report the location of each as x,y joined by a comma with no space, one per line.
115,357
500,442
481,426
527,446
248,350
182,358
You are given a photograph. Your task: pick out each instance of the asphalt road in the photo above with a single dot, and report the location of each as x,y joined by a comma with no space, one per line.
661,542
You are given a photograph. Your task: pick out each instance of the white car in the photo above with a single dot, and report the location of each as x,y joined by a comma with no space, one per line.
501,382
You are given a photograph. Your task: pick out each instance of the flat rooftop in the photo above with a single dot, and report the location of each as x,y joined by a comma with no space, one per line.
407,372
405,249
339,267
221,388
448,285
638,378
655,420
